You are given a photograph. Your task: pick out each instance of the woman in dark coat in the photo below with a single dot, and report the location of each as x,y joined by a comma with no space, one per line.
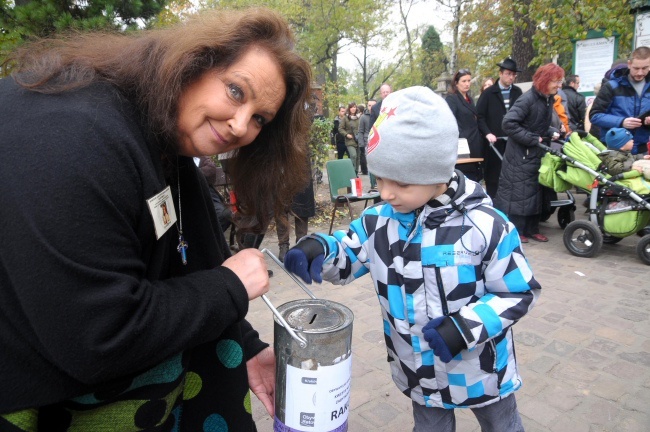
462,106
520,195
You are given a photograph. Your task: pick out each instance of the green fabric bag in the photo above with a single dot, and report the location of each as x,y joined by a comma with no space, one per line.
578,177
548,173
626,223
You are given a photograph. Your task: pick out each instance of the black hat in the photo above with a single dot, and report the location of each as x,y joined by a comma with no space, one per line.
509,64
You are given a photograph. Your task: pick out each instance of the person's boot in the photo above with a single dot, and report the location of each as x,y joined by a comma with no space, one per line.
284,248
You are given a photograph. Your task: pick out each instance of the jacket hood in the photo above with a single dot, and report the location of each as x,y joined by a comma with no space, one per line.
617,71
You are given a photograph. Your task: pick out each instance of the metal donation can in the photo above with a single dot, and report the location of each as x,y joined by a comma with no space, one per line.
313,381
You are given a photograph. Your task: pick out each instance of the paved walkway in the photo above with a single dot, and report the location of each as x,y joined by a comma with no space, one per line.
584,350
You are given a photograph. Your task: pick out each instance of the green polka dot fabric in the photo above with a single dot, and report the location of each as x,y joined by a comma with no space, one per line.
204,390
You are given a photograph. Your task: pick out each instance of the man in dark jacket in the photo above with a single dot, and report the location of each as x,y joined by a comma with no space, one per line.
624,101
384,91
576,105
491,107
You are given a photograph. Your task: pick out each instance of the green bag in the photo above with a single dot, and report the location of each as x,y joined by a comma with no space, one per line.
548,173
626,223
577,176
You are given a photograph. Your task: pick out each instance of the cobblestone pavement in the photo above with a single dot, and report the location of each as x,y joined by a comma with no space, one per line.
584,350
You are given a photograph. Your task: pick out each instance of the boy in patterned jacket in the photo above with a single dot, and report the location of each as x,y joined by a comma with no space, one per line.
448,269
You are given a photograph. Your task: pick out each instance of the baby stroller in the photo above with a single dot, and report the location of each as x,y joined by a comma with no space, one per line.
619,206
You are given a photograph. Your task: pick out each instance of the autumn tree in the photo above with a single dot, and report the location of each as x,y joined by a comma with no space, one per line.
22,19
434,60
536,32
523,32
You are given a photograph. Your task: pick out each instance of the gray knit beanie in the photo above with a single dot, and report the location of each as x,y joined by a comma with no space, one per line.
415,138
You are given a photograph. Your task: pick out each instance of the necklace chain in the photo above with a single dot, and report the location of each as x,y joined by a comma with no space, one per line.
182,244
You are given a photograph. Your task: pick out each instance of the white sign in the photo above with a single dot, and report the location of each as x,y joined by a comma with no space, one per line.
642,30
318,400
463,148
594,57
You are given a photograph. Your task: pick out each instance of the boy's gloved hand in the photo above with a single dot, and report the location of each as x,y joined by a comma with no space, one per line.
436,342
305,260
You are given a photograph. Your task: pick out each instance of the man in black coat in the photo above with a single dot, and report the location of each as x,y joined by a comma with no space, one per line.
491,107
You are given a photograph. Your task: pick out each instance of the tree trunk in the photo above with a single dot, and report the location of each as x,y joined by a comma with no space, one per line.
522,40
455,38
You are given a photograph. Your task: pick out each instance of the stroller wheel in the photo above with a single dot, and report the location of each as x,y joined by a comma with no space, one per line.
583,239
643,249
565,215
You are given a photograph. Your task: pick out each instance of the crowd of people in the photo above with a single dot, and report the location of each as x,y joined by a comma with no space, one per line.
121,302
504,126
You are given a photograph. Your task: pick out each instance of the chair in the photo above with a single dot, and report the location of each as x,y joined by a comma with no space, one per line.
339,174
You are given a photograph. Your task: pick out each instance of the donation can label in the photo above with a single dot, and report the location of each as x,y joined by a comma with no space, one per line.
318,400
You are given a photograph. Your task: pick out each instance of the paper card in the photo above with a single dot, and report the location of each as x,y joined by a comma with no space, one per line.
463,148
161,207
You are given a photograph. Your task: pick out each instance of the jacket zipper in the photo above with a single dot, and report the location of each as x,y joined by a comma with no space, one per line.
441,292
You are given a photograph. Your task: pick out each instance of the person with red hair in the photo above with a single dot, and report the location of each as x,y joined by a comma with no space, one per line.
520,195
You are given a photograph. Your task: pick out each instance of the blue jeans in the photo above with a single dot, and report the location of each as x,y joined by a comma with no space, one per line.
500,416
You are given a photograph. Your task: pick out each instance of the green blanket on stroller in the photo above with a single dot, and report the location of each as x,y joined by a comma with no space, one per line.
561,176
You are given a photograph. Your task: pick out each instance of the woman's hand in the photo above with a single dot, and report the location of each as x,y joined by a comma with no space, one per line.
491,138
349,136
250,268
261,377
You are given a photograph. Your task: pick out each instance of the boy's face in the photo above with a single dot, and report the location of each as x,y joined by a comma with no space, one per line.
407,197
628,146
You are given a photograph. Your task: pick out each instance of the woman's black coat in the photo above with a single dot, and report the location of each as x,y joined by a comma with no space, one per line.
467,119
519,190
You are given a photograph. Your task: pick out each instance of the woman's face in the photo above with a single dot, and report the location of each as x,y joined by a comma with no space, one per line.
488,83
353,110
225,110
464,83
555,85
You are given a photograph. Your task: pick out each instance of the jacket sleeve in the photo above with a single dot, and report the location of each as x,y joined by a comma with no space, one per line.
453,106
343,127
481,110
252,343
582,109
599,115
362,133
513,124
511,290
346,256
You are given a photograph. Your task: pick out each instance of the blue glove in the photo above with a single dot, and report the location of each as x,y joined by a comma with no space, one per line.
436,342
305,260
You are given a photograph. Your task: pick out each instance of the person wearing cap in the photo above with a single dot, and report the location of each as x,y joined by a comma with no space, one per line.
448,269
493,104
624,101
617,158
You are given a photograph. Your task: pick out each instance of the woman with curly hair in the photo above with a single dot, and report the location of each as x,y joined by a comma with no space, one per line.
115,316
